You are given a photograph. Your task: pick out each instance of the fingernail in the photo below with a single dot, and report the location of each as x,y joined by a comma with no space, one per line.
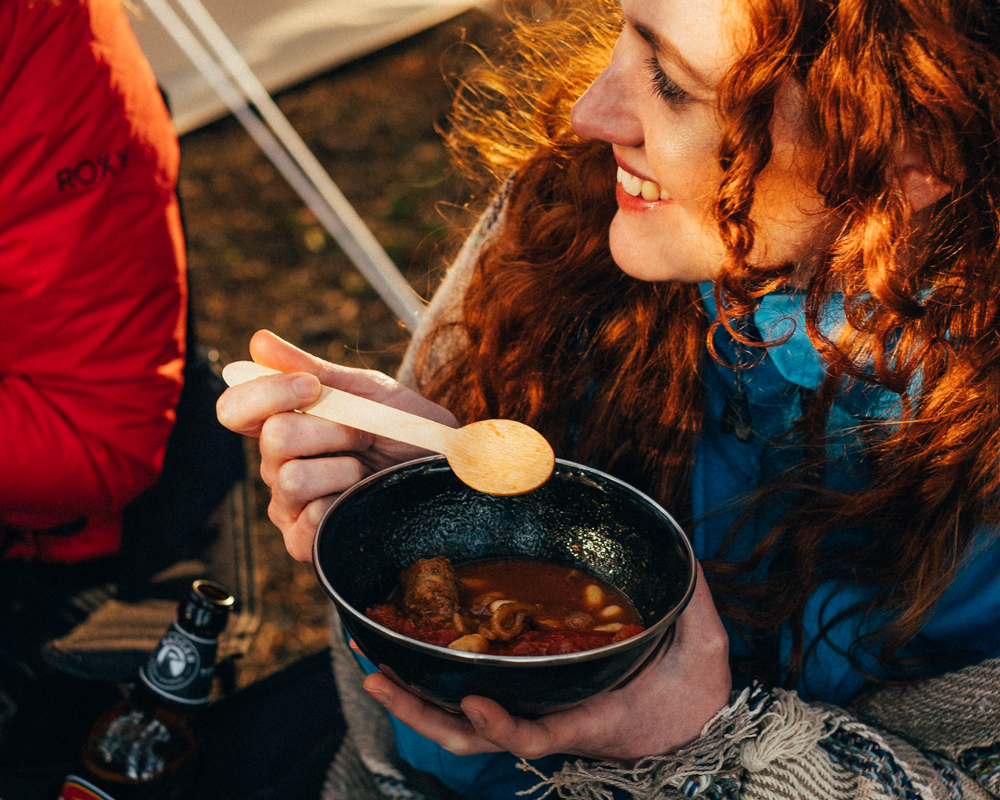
478,720
304,387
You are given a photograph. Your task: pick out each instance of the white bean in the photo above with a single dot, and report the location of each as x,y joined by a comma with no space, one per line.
593,595
473,643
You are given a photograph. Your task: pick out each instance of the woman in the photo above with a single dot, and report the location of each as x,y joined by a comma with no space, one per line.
780,321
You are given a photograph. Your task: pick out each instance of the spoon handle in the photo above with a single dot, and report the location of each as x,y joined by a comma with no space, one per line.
357,412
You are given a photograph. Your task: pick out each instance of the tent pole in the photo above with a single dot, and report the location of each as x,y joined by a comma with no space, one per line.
289,154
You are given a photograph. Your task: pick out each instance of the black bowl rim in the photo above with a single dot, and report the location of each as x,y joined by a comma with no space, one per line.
655,630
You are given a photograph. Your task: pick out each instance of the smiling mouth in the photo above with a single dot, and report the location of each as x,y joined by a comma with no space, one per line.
637,187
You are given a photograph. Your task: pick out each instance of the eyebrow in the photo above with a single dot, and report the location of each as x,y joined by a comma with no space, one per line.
667,49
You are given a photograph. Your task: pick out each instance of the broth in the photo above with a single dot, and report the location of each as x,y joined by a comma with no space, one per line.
520,607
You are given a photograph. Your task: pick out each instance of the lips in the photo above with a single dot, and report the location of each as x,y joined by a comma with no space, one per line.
639,187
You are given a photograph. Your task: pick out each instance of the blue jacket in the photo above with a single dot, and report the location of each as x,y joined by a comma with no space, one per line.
726,467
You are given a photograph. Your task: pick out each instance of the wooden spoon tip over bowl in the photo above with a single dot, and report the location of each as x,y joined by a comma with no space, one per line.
501,456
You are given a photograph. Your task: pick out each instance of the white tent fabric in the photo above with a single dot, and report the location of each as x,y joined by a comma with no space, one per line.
283,42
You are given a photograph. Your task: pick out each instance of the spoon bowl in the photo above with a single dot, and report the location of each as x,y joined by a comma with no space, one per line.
496,456
500,456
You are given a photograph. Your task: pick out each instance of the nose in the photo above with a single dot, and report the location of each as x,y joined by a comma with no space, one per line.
605,110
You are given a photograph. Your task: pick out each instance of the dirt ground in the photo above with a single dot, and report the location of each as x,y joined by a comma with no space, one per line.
259,259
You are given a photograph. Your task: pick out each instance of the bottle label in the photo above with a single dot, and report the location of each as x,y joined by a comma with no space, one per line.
76,788
181,667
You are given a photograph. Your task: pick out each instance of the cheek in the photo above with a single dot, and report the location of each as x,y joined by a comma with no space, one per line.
684,161
691,177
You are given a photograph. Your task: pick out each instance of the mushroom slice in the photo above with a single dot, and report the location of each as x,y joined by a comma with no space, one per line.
507,621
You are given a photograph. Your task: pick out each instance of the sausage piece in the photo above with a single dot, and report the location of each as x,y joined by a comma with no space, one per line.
430,590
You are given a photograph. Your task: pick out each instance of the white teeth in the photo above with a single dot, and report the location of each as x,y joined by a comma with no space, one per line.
636,186
630,183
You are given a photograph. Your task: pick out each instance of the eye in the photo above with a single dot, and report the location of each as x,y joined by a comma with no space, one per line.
662,85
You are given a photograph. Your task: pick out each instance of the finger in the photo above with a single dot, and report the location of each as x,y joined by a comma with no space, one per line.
290,435
524,738
699,628
246,407
300,532
452,731
297,483
272,351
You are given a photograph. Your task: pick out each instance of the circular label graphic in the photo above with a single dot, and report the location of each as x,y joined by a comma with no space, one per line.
181,667
175,664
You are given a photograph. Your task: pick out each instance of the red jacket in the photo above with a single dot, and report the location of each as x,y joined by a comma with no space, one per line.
92,282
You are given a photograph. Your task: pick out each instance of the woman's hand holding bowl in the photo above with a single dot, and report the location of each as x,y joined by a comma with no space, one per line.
306,461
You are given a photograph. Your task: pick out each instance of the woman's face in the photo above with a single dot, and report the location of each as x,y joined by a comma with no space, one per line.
656,105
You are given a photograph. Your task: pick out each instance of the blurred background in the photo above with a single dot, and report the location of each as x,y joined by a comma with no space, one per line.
259,258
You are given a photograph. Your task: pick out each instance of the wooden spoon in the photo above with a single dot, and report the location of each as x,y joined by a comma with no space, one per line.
496,456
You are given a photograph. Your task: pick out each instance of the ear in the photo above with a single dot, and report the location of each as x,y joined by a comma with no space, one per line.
922,188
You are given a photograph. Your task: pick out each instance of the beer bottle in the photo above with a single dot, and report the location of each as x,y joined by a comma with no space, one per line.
146,745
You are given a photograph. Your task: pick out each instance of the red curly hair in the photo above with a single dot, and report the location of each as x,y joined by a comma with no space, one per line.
548,315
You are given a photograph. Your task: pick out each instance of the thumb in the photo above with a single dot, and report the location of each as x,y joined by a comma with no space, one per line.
699,627
272,351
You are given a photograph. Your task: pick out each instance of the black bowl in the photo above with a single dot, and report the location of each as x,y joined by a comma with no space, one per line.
580,517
